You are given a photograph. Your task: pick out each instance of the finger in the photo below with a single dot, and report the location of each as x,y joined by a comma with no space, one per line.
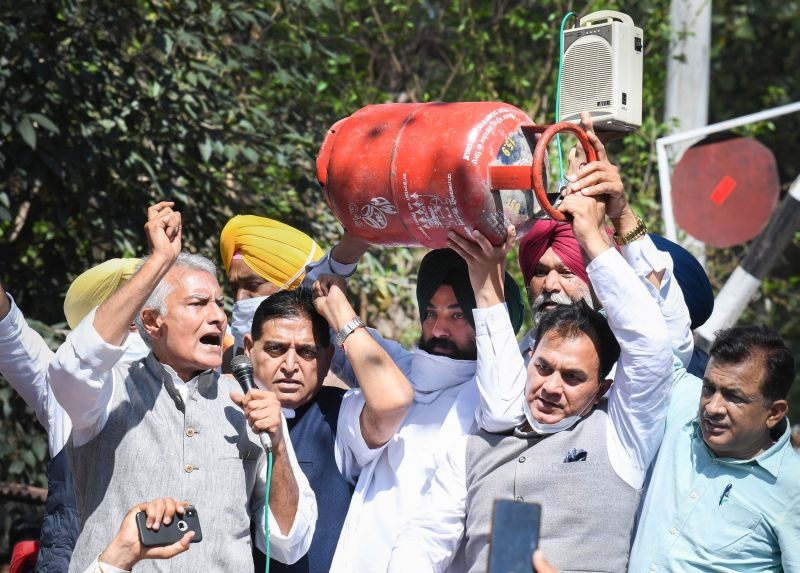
169,551
588,180
173,225
238,398
587,169
457,248
511,237
264,420
259,409
169,510
599,148
586,122
154,210
155,512
483,242
467,246
602,188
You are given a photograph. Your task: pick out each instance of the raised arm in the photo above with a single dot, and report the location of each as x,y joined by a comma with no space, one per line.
24,358
387,393
652,266
500,372
116,314
81,375
341,260
638,398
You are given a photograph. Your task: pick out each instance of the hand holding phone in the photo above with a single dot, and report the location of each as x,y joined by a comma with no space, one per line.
127,549
167,534
515,536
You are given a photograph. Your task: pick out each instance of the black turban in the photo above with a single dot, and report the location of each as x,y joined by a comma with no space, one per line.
446,267
692,279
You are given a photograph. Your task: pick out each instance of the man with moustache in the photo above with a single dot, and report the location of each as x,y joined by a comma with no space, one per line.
724,494
386,447
554,268
168,425
290,348
582,457
261,256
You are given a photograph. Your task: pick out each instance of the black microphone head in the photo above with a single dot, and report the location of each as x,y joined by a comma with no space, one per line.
242,368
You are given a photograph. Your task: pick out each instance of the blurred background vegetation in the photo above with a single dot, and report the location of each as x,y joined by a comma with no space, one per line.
107,107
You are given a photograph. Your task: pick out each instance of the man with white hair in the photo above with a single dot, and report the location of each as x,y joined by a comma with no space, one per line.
24,360
168,425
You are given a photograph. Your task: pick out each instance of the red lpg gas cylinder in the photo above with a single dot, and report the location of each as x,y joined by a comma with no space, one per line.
406,174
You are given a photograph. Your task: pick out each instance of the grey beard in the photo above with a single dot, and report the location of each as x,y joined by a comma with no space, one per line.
559,298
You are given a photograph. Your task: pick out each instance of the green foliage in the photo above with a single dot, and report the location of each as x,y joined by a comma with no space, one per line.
221,106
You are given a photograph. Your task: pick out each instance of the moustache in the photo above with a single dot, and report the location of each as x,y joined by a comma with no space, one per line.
716,422
554,297
443,343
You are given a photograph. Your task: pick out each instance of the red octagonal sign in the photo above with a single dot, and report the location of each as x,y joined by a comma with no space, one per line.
724,192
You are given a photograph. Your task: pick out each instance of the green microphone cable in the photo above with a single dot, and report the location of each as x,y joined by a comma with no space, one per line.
558,93
266,507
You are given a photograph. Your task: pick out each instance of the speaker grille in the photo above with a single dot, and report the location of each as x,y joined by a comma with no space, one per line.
586,83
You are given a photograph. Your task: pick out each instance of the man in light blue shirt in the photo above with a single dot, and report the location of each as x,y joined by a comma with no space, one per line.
725,489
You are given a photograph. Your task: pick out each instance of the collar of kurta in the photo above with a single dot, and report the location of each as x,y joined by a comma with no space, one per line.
770,459
431,374
170,379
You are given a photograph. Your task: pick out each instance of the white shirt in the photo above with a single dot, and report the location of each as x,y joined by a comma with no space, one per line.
502,381
83,378
637,404
24,360
392,480
98,567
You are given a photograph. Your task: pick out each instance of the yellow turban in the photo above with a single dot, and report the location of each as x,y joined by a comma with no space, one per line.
276,252
94,286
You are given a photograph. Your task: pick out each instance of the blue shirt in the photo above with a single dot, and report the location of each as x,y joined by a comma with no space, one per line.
704,513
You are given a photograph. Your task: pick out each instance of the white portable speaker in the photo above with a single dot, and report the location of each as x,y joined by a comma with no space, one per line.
602,71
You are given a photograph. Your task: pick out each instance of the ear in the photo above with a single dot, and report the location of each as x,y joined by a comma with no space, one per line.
325,357
602,389
776,412
152,321
248,344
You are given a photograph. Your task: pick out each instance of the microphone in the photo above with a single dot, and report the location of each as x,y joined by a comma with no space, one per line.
242,368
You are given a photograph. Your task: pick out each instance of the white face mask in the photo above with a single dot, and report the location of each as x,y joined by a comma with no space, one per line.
564,424
242,319
135,348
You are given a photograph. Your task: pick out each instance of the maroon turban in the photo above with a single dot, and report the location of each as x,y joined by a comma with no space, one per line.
547,233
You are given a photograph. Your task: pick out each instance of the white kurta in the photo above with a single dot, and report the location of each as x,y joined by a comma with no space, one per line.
391,481
502,381
83,379
637,406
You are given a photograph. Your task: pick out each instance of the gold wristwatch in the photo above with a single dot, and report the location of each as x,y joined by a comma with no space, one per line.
640,230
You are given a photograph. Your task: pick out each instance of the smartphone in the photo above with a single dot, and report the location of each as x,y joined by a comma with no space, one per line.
515,536
172,533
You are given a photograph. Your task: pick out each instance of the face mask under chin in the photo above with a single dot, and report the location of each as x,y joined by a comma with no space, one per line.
566,423
242,319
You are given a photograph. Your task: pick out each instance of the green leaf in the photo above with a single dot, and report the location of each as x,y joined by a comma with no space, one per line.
44,122
250,154
205,150
16,467
26,130
40,447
